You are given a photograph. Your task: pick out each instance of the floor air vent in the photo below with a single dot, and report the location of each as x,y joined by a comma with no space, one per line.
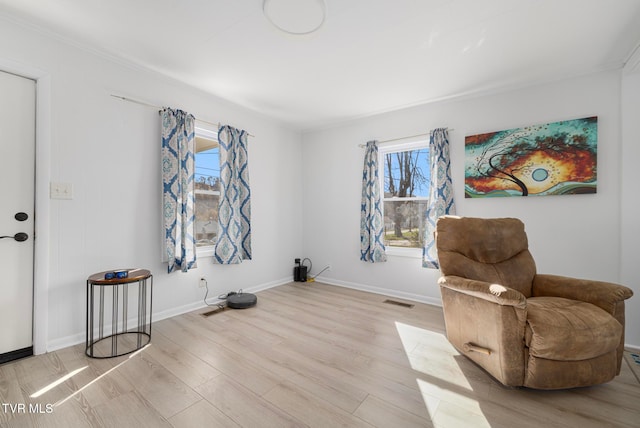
395,302
213,312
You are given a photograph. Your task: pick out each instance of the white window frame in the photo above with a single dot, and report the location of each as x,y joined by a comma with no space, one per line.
208,250
393,147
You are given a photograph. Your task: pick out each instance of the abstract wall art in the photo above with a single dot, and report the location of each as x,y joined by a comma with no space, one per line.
558,158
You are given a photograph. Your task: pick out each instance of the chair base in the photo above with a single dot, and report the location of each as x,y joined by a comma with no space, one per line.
550,374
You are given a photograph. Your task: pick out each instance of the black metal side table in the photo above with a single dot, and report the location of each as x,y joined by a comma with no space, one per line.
109,317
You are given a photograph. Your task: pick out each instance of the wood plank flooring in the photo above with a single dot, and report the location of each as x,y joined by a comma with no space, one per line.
307,355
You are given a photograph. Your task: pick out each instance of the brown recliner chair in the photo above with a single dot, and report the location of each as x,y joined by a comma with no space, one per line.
525,329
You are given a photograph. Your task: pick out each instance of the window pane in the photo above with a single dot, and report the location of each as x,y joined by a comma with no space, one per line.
207,187
404,223
406,174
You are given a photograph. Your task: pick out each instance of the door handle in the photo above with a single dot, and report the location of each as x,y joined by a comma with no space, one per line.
20,236
21,216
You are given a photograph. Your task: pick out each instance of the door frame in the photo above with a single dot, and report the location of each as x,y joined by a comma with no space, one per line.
42,230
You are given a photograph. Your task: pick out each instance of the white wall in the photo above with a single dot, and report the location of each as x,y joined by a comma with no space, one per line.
630,202
109,151
574,235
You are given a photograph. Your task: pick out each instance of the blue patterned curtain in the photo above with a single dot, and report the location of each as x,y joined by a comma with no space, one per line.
234,210
371,221
440,193
178,189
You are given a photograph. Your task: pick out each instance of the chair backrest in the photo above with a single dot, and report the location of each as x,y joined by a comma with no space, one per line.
494,250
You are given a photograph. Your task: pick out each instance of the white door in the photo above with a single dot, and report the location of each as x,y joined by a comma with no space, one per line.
17,191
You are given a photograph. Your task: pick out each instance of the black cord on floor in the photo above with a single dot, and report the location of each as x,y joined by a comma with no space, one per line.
206,293
314,276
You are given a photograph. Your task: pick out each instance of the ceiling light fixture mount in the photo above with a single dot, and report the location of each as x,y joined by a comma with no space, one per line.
296,17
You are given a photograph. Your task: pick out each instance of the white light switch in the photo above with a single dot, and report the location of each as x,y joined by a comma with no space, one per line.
61,191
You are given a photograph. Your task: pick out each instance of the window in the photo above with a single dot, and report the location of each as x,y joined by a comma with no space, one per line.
207,188
405,193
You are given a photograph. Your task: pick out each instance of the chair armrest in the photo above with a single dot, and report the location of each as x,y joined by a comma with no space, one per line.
605,295
494,293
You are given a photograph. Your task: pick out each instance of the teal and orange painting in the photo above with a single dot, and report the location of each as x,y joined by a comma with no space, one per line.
558,158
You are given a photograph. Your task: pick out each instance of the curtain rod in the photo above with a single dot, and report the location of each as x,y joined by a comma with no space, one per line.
404,138
142,103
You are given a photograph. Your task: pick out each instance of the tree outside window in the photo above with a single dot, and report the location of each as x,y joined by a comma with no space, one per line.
405,186
207,188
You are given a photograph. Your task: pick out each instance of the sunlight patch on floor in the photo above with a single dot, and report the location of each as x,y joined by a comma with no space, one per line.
449,414
445,388
432,354
101,376
57,382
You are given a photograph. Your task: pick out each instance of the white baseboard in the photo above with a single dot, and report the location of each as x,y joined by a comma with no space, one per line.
74,339
65,342
172,312
632,348
383,291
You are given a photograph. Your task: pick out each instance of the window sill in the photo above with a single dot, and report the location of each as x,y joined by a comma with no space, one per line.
203,252
414,253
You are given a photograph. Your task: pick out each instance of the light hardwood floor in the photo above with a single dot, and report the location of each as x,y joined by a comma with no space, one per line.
307,355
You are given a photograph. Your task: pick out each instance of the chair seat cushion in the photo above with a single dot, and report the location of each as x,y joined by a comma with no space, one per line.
569,330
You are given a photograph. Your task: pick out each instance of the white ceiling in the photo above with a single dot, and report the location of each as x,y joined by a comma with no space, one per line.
370,56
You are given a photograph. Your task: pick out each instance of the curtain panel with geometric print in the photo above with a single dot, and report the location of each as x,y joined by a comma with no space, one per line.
233,244
440,193
178,197
371,222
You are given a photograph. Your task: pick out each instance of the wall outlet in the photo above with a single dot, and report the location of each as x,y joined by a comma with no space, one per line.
202,283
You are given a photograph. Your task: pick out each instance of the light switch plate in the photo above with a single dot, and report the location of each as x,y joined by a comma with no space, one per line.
61,191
